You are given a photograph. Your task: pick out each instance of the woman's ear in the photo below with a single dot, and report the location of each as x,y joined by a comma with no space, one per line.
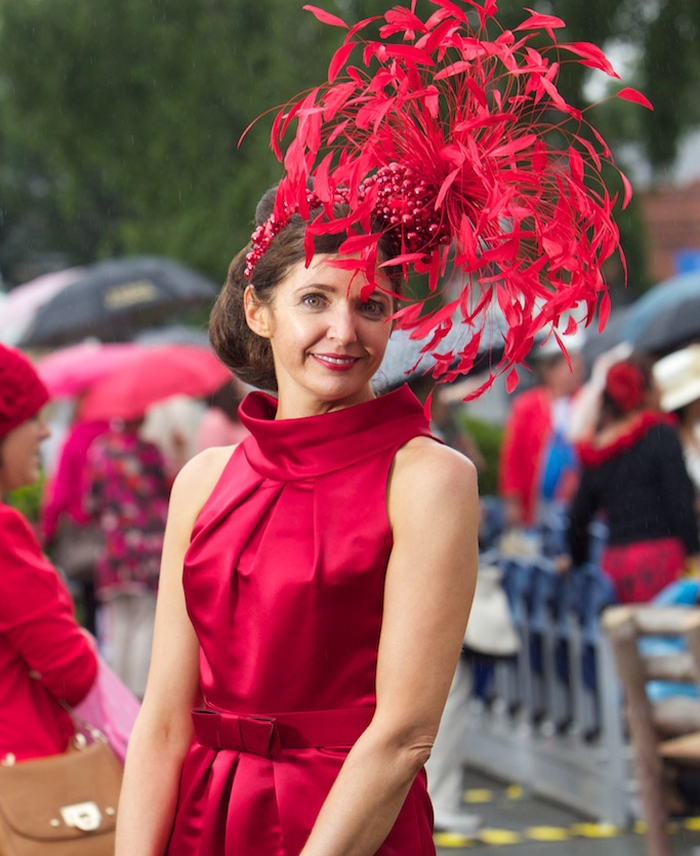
257,314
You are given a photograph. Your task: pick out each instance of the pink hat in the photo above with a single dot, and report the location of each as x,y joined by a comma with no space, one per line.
22,392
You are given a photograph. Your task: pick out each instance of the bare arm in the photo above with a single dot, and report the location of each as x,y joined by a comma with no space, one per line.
433,507
163,730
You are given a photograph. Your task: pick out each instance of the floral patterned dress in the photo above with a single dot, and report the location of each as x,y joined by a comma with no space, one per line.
127,492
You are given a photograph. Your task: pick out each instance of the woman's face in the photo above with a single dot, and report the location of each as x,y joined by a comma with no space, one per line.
327,342
20,457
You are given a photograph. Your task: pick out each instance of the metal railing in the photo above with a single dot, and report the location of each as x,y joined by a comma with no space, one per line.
551,717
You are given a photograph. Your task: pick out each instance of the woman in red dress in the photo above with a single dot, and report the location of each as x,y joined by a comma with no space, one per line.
317,577
329,562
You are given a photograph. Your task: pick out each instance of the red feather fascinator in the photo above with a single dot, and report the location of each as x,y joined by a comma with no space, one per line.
460,146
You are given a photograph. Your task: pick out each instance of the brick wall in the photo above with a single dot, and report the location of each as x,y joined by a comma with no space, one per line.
672,216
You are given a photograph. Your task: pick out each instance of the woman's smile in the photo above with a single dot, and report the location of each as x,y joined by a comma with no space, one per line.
335,362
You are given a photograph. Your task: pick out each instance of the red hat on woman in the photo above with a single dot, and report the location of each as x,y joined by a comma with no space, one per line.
22,392
626,386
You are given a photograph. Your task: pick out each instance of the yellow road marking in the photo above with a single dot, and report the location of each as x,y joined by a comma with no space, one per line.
594,830
547,833
499,836
478,795
451,839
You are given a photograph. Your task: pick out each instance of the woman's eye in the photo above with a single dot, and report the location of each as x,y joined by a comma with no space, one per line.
313,301
372,307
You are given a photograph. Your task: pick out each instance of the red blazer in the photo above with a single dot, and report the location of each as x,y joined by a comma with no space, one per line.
527,432
44,655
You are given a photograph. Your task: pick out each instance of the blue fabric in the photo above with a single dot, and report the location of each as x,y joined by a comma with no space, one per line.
662,690
660,646
553,524
681,593
492,521
559,457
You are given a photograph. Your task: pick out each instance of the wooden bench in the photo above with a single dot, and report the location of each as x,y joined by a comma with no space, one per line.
662,730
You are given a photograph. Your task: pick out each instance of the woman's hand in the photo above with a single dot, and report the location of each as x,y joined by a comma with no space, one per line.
562,563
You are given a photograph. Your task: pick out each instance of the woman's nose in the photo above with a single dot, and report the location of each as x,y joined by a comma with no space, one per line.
44,430
342,326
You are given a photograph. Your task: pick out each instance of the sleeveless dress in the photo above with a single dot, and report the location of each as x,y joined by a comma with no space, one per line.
284,582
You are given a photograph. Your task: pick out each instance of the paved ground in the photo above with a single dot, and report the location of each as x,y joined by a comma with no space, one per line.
515,823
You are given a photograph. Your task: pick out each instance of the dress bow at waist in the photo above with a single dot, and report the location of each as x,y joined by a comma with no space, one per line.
269,735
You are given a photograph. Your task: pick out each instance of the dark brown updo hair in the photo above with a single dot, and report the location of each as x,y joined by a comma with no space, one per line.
248,355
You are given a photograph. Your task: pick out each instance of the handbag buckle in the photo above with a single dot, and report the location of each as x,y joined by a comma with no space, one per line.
84,816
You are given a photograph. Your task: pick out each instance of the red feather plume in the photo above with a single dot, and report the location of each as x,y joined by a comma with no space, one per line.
460,146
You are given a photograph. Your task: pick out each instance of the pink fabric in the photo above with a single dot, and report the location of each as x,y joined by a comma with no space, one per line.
216,429
284,583
111,707
45,657
65,493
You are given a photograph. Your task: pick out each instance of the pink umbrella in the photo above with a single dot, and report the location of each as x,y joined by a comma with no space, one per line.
22,303
157,374
72,370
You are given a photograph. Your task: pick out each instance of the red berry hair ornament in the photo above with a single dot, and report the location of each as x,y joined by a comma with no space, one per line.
459,146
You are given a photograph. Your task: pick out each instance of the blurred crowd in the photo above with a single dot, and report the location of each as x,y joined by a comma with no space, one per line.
104,508
617,446
620,449
620,446
599,468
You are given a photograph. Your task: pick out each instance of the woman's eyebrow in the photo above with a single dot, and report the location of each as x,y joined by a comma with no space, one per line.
319,286
378,292
333,289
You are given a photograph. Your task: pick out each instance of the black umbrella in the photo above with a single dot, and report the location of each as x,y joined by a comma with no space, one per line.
673,327
112,300
596,344
645,312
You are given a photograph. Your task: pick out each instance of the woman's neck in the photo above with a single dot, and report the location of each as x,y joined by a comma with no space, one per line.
611,431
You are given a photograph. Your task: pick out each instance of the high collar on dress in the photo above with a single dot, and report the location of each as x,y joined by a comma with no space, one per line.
288,449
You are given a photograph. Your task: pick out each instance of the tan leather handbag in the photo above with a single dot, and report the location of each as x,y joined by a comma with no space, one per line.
61,805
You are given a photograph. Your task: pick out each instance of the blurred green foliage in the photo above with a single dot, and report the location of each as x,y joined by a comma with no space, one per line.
488,438
27,500
120,120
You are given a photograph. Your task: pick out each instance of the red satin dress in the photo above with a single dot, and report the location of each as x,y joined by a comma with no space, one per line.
284,581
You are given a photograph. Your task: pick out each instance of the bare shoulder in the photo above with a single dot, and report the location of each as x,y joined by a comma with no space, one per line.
428,474
429,461
196,480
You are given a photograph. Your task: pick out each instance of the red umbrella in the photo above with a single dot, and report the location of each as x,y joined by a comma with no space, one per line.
156,375
72,370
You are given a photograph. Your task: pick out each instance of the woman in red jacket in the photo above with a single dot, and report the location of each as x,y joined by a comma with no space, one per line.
46,660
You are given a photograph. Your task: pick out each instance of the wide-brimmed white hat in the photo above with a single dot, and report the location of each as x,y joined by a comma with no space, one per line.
678,378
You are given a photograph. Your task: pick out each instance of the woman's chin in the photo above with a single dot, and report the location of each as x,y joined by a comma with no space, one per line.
32,477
